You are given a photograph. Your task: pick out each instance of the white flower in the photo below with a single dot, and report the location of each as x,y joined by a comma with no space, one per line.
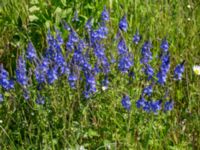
82,148
196,70
104,88
189,6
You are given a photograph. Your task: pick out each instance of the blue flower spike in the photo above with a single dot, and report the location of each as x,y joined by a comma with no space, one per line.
126,103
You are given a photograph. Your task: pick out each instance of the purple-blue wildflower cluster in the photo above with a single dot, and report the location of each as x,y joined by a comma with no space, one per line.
123,24
83,61
136,38
5,82
145,101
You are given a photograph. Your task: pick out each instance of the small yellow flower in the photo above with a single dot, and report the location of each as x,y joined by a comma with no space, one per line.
196,70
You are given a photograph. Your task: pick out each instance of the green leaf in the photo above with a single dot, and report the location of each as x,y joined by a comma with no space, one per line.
6,94
33,18
84,17
58,11
48,24
179,94
34,2
63,2
92,133
34,8
88,6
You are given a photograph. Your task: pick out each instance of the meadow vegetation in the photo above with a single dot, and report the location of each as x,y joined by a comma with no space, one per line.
110,74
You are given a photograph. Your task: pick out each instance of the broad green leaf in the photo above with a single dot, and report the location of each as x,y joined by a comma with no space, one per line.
92,133
34,8
58,11
33,18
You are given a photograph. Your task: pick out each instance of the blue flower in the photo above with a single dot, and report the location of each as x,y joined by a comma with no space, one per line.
101,57
60,64
59,37
10,84
1,98
31,53
40,100
162,77
122,49
39,87
155,106
123,25
3,72
178,71
86,94
118,35
99,51
136,38
50,52
52,75
105,15
90,80
105,65
147,106
81,45
39,75
146,53
131,74
146,47
164,68
147,90
77,57
21,72
75,18
26,94
100,33
125,63
168,105
41,70
164,45
126,103
66,26
91,83
72,80
80,60
165,63
88,25
59,59
44,64
96,69
72,39
50,38
149,71
90,86
85,65
64,70
140,103
4,81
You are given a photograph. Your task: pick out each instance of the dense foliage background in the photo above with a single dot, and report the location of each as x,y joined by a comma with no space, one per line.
67,120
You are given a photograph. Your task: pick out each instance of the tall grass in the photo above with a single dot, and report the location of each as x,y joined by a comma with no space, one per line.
68,121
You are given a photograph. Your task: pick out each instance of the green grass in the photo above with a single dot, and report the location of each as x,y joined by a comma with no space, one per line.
67,121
